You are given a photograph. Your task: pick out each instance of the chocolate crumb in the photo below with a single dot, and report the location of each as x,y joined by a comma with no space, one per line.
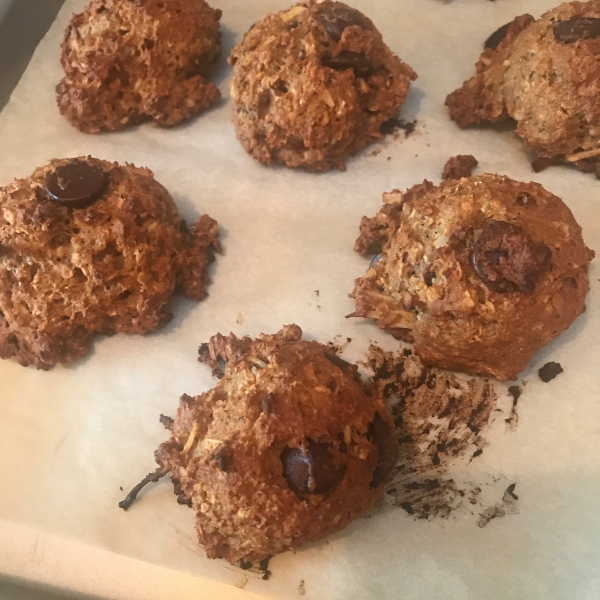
393,124
477,453
459,166
549,371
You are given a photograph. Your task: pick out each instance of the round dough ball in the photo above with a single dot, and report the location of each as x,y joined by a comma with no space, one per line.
313,85
545,74
88,246
126,62
286,449
480,273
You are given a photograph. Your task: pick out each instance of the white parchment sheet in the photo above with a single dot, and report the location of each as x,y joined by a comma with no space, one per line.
72,437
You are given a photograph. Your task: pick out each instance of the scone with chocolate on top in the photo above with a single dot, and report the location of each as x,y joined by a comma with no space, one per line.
286,449
313,84
89,246
545,74
480,273
130,61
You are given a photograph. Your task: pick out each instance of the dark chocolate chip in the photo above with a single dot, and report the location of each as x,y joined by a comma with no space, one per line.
549,371
77,184
428,278
577,28
310,470
224,458
336,19
337,361
384,437
494,40
349,60
506,259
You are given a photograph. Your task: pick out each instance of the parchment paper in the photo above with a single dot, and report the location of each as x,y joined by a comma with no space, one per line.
72,437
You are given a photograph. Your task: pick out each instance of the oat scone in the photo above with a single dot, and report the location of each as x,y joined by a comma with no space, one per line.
88,246
479,273
545,74
126,62
286,449
313,85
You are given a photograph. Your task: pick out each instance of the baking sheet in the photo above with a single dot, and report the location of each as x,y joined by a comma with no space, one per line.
72,437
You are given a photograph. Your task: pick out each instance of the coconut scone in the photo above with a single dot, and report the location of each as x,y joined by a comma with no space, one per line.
286,449
126,62
479,273
313,84
544,74
89,246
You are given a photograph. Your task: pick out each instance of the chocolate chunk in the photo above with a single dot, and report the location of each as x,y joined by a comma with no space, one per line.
310,470
224,458
349,60
549,371
77,184
577,28
494,40
506,259
336,19
428,278
384,437
337,361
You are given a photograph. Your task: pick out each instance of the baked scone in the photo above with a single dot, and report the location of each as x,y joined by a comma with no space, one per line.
126,62
545,74
479,273
286,449
313,85
88,246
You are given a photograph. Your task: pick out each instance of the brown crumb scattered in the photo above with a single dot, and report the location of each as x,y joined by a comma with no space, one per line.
301,588
549,371
459,166
439,418
515,391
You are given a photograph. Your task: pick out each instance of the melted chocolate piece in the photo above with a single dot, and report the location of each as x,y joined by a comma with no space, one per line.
310,470
506,259
336,19
77,184
224,458
349,60
384,437
494,40
577,28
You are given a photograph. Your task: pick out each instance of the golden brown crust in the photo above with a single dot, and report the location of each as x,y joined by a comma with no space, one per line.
468,314
547,84
297,99
126,62
111,267
227,446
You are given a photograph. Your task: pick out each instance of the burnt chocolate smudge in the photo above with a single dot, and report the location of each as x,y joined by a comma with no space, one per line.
394,124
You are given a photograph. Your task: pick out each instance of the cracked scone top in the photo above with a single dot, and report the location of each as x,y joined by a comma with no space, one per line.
286,449
479,273
545,74
88,246
312,86
129,61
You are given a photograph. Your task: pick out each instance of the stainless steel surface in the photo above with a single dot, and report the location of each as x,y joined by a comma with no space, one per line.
23,24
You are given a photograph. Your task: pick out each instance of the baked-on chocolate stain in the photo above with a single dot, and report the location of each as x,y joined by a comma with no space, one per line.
549,371
393,124
384,437
506,259
337,361
494,40
577,28
336,19
77,184
349,60
310,470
